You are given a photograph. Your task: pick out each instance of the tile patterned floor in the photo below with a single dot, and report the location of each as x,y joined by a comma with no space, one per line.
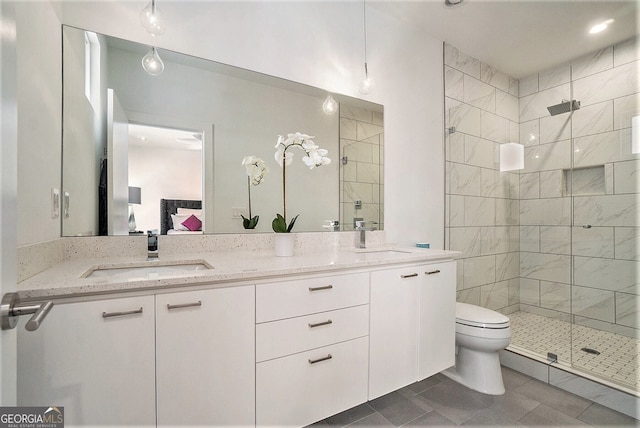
618,359
439,401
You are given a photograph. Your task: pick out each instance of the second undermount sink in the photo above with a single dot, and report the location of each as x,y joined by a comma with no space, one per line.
146,270
380,253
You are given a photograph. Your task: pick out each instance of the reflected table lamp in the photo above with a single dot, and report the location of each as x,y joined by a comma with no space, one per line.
135,197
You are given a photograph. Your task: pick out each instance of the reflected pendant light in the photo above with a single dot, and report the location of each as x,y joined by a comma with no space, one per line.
330,105
152,63
151,19
367,84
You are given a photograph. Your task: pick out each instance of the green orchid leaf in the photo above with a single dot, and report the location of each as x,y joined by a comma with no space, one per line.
279,225
292,223
250,223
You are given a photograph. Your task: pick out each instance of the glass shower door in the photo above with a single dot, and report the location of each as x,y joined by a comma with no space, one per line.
605,233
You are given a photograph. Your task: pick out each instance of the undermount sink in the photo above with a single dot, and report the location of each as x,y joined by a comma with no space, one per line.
380,253
146,270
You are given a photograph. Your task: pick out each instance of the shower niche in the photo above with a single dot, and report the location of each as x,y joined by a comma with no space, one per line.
588,181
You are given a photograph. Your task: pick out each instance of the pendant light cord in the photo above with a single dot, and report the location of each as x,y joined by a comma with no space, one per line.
364,26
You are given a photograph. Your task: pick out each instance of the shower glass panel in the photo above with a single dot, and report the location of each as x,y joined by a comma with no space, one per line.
605,233
554,245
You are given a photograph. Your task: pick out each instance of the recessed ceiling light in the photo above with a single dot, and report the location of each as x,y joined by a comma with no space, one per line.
452,3
143,138
600,27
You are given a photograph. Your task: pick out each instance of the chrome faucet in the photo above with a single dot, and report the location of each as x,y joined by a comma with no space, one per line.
152,245
360,227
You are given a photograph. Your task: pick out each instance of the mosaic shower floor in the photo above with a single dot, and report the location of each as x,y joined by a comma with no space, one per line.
617,360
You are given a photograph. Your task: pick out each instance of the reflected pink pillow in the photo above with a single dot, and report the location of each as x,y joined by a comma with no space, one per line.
192,223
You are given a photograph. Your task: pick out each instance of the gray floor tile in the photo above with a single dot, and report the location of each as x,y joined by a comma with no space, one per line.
373,420
513,379
423,385
514,405
491,418
431,419
456,402
544,415
554,397
598,415
349,416
399,409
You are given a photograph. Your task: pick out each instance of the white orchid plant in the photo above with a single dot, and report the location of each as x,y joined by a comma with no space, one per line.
314,157
256,170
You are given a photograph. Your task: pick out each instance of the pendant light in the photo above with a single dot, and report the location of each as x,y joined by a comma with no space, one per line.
151,19
330,105
367,84
152,63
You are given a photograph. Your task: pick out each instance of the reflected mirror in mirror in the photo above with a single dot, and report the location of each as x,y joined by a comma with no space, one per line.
180,138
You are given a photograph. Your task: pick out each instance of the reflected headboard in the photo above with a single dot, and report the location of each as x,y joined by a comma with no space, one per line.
170,206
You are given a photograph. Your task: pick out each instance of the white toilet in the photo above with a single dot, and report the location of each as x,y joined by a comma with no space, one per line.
480,334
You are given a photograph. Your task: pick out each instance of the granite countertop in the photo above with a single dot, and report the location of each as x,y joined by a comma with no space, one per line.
69,279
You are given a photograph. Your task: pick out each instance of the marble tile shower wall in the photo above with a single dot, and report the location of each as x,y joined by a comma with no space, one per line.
482,204
597,139
362,144
516,230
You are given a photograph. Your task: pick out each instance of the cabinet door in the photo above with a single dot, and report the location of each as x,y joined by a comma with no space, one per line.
393,335
437,318
93,358
205,359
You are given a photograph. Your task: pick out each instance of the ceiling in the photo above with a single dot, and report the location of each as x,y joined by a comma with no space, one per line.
520,37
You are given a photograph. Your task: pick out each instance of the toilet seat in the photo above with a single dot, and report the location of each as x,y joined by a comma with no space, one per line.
479,317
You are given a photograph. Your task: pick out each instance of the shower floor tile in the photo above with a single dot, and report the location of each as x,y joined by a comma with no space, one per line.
617,360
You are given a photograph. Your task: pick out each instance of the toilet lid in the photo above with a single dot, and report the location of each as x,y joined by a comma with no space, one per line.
477,316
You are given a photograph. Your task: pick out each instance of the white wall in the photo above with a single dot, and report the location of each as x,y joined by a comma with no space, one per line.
319,43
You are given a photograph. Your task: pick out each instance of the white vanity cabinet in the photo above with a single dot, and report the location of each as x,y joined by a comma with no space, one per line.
205,359
412,332
311,348
437,325
93,358
393,335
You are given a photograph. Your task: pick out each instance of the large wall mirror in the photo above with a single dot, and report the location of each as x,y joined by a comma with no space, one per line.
132,139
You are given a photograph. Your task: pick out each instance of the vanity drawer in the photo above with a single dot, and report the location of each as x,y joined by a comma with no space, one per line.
279,338
303,388
289,299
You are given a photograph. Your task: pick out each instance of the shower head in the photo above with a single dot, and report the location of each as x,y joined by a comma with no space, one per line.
564,107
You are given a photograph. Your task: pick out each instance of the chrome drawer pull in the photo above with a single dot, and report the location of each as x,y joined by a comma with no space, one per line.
121,314
411,275
318,324
326,287
328,357
184,305
433,271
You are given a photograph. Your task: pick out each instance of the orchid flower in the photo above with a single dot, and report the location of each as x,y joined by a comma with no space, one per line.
256,170
314,156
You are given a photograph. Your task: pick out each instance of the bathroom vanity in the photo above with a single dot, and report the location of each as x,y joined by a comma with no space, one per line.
251,340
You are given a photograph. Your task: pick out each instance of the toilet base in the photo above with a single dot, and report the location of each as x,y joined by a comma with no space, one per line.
476,370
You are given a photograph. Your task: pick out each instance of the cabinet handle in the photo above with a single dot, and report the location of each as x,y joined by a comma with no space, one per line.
318,324
121,314
411,275
431,272
184,305
328,357
326,287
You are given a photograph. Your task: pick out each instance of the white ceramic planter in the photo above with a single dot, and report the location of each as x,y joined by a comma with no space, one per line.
284,243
